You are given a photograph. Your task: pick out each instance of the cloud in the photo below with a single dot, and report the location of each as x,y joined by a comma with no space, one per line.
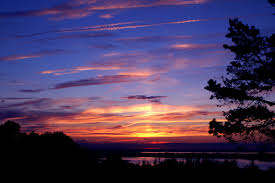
110,61
94,66
130,121
100,67
107,16
102,27
35,102
49,103
82,8
31,90
34,119
193,46
139,72
100,80
15,98
152,99
153,39
80,36
177,116
135,26
67,30
150,109
124,4
61,11
33,55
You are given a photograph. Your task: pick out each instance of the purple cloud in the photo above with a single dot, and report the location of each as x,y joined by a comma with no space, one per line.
100,80
30,90
61,11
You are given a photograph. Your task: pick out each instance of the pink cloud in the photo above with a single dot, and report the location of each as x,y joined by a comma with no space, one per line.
123,4
84,8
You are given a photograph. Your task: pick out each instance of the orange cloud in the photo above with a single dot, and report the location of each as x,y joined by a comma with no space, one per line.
194,46
140,132
107,16
129,122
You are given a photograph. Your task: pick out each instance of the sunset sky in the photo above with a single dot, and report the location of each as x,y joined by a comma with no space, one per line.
118,70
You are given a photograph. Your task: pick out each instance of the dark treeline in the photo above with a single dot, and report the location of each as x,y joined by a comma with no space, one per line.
55,151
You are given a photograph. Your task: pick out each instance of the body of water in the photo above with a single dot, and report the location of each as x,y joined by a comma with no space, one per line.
245,153
263,165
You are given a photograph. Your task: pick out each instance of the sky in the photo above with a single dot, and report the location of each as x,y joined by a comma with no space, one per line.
127,71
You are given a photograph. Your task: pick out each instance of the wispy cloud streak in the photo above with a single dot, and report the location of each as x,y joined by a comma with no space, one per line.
84,8
116,27
102,27
31,90
79,36
33,55
100,80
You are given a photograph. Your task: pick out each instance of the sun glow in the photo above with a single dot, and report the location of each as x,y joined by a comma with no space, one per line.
148,131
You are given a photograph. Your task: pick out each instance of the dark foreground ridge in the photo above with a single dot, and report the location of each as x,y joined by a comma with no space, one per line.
55,152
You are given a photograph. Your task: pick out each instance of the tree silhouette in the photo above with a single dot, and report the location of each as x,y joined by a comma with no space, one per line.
50,149
272,2
10,134
247,86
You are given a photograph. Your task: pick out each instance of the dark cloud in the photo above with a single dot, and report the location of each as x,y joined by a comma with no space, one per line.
100,80
116,127
10,114
36,103
153,99
19,13
50,103
31,90
15,98
33,119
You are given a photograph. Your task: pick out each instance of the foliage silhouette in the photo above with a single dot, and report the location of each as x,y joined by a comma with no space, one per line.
31,150
272,2
247,86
